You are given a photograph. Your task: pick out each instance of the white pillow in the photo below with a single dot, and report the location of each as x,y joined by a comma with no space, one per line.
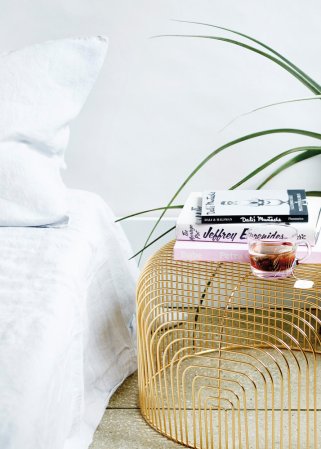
42,88
32,192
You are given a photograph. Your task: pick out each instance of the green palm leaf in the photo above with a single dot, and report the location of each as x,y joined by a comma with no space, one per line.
178,206
277,61
294,100
293,161
219,150
312,150
261,44
155,240
313,193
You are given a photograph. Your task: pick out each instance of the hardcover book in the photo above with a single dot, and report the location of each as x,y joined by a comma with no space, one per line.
229,252
254,206
189,224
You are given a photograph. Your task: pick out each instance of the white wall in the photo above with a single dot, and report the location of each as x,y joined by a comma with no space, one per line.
159,103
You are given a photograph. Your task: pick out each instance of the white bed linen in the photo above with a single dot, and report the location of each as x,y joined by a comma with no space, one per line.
66,326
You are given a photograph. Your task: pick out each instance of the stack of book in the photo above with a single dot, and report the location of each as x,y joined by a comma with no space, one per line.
213,226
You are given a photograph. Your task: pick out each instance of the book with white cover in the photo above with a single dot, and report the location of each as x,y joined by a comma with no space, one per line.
190,227
254,206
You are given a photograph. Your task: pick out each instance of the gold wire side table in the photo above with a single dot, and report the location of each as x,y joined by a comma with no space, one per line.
226,360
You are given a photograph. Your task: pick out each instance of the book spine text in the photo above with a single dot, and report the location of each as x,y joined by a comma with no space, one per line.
227,234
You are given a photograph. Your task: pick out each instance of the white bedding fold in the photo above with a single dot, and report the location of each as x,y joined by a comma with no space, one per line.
66,334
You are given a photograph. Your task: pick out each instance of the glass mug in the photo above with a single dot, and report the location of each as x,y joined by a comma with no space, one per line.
272,250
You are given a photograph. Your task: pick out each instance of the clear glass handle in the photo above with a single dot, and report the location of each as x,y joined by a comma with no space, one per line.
308,247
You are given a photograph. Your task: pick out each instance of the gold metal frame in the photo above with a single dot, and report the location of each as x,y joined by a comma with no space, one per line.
226,360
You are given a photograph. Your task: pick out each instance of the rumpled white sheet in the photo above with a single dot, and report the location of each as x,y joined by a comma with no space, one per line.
66,327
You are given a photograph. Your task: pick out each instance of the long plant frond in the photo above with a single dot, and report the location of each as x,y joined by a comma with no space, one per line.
313,150
313,193
151,243
276,60
244,114
301,157
219,150
263,45
178,206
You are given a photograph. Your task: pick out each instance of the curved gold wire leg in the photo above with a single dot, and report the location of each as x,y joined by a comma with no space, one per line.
226,360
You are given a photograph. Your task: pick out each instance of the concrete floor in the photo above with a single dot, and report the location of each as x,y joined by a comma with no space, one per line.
123,427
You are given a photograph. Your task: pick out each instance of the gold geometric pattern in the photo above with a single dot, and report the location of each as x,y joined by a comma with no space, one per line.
227,360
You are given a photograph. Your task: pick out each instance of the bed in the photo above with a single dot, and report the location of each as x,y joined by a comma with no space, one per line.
67,328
